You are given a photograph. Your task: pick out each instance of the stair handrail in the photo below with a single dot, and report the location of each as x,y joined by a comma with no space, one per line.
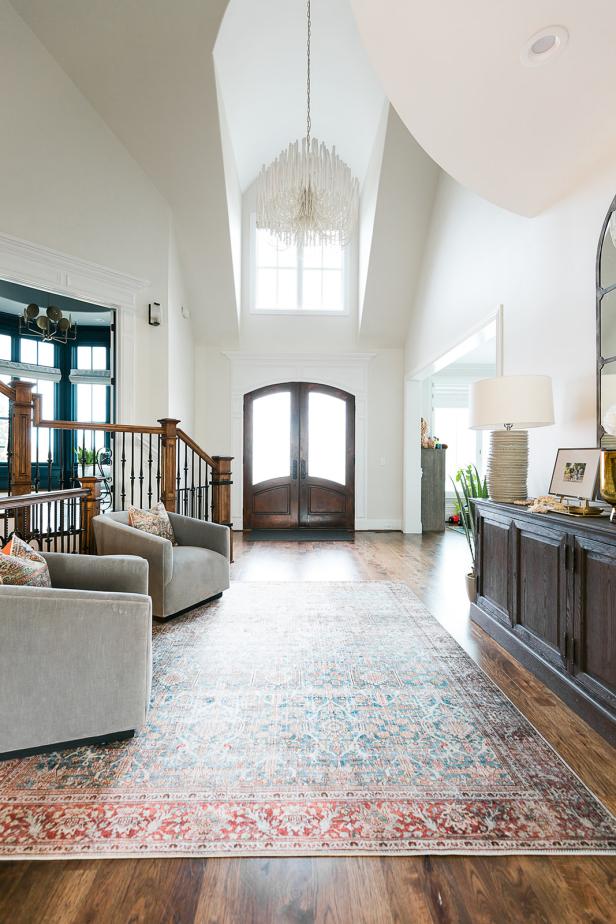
26,414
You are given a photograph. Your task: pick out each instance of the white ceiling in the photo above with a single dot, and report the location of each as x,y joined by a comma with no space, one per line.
522,137
260,58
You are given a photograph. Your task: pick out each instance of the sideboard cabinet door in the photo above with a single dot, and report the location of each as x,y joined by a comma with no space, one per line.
594,649
494,553
540,590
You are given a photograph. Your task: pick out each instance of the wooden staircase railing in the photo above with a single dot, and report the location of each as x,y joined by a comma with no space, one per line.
114,464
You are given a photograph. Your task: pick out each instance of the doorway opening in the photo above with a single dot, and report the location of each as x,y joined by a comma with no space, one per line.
299,457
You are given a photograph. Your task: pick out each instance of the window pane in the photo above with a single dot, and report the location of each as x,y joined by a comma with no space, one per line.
267,249
326,437
46,355
332,257
287,289
42,443
311,300
4,422
5,346
99,403
313,257
84,357
332,290
266,289
271,437
84,402
287,255
27,350
99,357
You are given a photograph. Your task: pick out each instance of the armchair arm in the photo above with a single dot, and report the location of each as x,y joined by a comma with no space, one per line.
189,531
113,538
114,573
74,664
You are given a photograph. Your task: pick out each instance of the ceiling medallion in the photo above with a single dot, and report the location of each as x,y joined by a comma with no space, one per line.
308,195
52,326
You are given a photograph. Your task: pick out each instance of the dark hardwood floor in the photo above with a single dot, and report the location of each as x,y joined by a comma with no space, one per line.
353,890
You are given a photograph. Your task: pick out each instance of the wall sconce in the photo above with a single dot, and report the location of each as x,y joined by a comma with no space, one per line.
155,314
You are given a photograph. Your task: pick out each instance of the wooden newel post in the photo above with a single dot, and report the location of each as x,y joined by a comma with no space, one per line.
221,493
21,449
168,463
21,438
90,507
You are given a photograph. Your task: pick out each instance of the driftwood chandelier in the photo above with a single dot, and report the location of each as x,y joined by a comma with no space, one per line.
308,195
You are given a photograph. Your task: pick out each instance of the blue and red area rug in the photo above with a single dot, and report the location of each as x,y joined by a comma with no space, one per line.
307,719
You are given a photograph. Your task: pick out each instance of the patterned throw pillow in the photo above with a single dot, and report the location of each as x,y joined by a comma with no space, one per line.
23,566
155,521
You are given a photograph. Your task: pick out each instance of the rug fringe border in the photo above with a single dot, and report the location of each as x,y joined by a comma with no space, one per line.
221,855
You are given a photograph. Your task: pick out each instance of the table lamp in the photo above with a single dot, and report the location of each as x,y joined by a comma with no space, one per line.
509,405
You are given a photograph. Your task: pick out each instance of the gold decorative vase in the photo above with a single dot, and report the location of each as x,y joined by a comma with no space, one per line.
607,483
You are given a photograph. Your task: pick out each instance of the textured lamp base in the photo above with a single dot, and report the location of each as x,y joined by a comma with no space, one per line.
507,469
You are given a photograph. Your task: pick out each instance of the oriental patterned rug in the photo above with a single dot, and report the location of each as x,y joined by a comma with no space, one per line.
307,719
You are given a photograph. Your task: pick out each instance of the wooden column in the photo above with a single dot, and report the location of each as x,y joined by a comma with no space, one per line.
21,450
168,467
221,494
21,438
90,507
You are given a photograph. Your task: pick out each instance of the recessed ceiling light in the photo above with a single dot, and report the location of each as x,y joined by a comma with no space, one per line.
544,45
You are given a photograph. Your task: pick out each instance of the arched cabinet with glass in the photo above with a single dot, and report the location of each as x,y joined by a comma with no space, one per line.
606,331
74,379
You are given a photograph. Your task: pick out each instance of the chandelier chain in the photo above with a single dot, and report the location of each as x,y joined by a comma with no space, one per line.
309,36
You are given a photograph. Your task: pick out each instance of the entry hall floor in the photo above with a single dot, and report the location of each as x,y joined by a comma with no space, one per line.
353,890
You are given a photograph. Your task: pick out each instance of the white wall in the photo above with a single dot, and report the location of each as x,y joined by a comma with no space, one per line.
215,417
67,183
543,271
181,344
406,189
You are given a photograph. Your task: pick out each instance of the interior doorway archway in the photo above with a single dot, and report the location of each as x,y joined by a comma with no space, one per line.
299,457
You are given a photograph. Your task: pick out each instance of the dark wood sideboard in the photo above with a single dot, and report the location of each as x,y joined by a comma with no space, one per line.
546,591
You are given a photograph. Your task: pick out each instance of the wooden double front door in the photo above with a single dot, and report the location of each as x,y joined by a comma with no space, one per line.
299,457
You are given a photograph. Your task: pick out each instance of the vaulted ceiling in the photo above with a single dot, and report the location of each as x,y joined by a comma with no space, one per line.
260,60
147,68
519,136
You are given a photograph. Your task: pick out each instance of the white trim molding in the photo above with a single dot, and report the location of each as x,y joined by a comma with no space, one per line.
348,371
40,267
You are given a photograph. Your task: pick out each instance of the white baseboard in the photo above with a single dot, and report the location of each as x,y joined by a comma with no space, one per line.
368,523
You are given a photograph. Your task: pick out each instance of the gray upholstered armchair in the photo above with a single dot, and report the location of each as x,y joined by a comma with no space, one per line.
75,658
193,571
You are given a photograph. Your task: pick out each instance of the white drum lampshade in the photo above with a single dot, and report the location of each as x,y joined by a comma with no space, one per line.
509,405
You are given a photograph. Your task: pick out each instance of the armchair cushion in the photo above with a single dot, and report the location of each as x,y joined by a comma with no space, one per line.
22,566
154,521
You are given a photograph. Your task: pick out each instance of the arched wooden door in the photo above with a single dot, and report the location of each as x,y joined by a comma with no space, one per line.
299,457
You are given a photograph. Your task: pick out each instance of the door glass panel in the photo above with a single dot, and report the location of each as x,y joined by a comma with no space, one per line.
326,437
271,437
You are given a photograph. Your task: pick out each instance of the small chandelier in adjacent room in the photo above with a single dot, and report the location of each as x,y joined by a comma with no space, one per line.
308,195
52,327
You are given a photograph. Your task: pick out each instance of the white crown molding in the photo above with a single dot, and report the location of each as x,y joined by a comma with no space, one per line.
316,359
43,268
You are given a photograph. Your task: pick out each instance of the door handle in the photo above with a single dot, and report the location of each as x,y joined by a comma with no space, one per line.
303,468
294,476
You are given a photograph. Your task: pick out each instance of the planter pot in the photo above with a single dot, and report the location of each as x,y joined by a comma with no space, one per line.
471,586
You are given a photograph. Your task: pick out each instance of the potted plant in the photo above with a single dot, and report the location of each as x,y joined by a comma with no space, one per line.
468,485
